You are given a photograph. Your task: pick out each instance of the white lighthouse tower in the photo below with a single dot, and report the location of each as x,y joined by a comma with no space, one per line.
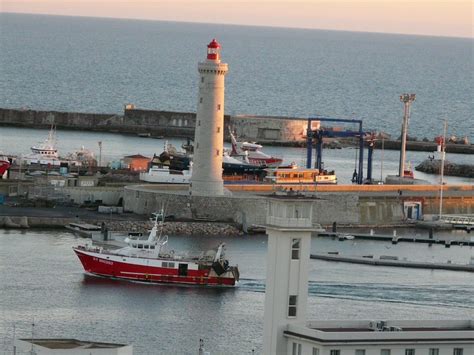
209,135
289,226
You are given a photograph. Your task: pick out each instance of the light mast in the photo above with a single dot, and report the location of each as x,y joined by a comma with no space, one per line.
407,100
209,134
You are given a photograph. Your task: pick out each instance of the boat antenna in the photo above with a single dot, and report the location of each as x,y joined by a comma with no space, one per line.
441,173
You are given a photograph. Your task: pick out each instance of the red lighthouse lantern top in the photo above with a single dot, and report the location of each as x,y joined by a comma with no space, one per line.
213,50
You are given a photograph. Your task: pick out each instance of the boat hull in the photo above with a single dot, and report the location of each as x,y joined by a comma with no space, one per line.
4,166
145,270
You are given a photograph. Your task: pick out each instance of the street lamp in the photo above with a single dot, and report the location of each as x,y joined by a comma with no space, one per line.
100,153
407,99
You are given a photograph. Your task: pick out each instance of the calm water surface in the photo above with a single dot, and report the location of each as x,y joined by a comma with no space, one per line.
98,65
41,278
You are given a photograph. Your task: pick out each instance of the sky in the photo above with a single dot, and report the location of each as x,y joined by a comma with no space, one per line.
452,18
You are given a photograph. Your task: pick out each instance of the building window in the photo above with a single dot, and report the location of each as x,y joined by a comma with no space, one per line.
295,249
433,351
200,100
202,79
218,107
335,352
199,122
409,351
315,351
360,352
292,305
385,352
458,351
197,145
296,349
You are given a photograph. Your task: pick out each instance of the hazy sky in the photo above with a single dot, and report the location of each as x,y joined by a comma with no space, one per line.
428,17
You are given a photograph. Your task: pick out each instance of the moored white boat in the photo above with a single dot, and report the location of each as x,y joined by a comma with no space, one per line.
164,175
148,260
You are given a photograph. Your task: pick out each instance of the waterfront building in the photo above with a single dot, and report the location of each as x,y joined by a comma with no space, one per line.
69,346
286,331
209,133
136,162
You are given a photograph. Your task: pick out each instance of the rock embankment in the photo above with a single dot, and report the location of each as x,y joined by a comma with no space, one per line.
177,228
125,226
433,166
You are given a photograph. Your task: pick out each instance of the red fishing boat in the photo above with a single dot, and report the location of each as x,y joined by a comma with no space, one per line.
148,260
4,164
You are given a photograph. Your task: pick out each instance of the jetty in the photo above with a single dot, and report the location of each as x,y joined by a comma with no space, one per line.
393,261
394,239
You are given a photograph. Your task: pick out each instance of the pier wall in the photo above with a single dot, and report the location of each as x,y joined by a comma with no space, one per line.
156,123
251,209
108,195
350,208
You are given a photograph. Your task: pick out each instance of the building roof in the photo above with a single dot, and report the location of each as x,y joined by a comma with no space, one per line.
364,331
72,344
137,156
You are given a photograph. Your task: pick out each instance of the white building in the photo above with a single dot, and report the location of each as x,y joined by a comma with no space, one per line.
209,133
69,347
286,330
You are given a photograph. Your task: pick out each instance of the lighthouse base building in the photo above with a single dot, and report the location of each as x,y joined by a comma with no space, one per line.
286,330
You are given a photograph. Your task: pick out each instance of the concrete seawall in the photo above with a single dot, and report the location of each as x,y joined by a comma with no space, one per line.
349,205
270,130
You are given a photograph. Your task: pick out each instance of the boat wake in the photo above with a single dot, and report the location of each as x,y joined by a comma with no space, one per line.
429,295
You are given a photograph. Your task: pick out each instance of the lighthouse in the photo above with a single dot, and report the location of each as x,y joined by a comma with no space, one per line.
209,134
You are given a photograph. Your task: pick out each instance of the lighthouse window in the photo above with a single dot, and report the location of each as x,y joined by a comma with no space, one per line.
296,349
217,152
292,305
218,129
218,107
295,249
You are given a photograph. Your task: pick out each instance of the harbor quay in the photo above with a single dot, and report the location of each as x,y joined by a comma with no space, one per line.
355,205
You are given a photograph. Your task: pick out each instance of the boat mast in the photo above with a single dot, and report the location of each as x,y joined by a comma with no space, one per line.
441,182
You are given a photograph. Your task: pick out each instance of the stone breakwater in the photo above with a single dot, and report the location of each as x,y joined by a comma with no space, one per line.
450,169
177,228
125,226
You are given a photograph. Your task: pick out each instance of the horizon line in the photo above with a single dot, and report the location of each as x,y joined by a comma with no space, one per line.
238,24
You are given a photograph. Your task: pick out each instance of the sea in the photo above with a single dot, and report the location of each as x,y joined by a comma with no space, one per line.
98,65
43,283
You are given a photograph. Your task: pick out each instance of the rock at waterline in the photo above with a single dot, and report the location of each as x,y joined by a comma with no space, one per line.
433,166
